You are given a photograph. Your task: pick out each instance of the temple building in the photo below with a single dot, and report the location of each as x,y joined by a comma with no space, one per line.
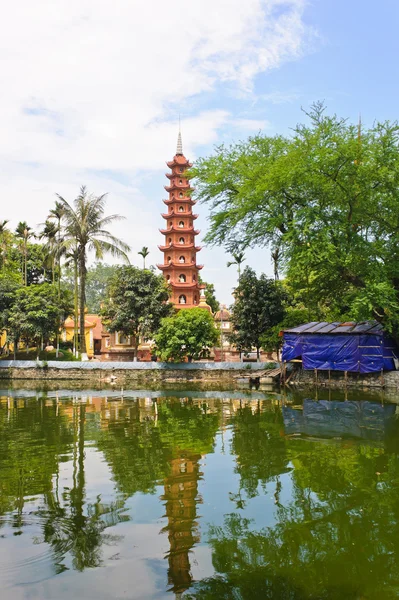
180,267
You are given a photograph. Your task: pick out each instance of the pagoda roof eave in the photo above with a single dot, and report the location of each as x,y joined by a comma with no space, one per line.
179,161
173,265
179,214
179,230
179,200
180,247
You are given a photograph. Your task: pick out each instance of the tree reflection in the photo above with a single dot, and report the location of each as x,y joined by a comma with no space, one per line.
336,536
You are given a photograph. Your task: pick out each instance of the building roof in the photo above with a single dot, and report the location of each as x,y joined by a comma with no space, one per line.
91,322
347,327
222,315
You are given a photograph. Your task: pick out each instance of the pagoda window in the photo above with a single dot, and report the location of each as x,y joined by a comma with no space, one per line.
181,181
170,241
181,223
182,299
182,259
181,170
195,300
181,241
181,208
182,278
170,223
169,259
194,278
181,195
167,277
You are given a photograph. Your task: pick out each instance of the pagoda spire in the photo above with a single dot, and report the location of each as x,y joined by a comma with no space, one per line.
179,149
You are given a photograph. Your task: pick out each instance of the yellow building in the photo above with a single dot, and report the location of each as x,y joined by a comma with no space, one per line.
93,329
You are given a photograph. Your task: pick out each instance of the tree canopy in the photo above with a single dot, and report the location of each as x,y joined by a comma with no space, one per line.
325,201
137,300
259,305
190,333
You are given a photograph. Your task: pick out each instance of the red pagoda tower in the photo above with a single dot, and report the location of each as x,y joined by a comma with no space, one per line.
180,267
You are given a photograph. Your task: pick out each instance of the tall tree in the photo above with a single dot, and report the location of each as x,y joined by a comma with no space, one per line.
4,242
85,228
144,252
238,259
50,234
259,305
137,300
190,333
24,232
328,198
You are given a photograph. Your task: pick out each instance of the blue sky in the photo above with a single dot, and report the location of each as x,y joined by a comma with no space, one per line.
91,94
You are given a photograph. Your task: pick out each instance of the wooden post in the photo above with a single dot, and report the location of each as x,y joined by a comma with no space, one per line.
346,378
315,371
329,377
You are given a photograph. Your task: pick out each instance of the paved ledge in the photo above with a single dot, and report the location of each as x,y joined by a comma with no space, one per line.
131,366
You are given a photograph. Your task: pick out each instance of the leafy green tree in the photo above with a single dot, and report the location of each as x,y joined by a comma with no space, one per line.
271,340
259,305
37,313
327,198
137,300
190,333
85,230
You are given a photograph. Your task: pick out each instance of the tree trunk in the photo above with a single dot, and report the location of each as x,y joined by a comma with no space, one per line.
258,354
82,303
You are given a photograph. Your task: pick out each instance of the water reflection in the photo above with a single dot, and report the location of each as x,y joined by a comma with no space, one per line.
242,496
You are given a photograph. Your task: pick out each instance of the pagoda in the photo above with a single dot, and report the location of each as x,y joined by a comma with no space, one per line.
180,267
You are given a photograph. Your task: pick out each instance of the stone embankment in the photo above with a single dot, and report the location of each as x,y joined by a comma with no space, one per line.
338,379
125,373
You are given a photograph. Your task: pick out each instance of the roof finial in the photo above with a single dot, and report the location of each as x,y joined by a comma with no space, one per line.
179,150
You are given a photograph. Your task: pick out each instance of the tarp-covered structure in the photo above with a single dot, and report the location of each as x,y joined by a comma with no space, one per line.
330,418
356,347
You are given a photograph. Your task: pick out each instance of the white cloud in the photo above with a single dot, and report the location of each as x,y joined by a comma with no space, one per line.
88,87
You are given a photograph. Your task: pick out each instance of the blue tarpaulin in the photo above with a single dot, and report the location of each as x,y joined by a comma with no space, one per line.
346,347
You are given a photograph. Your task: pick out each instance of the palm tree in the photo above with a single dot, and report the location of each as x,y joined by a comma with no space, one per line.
144,252
85,228
238,260
49,233
24,232
4,233
57,214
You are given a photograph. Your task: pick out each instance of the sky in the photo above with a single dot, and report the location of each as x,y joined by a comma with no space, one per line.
91,94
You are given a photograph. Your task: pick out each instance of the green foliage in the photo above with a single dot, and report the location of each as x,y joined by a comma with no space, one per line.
190,333
97,279
37,313
259,305
327,199
137,300
271,340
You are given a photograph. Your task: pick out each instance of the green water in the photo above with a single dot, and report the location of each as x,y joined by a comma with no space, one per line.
206,495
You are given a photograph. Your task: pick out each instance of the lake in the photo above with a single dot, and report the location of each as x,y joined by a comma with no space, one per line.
222,495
